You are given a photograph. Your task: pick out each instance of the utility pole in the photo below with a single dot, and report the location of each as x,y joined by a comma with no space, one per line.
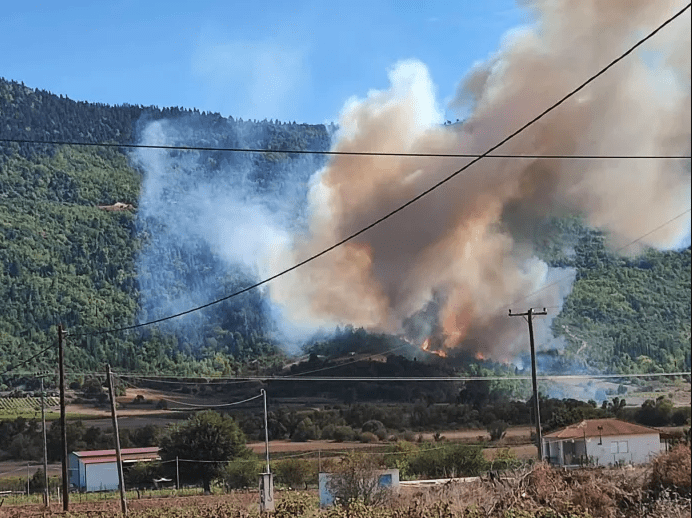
46,489
536,407
266,479
118,454
266,429
63,423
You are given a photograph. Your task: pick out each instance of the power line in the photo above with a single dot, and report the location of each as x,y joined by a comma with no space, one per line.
405,205
568,277
345,153
368,357
206,407
394,379
27,360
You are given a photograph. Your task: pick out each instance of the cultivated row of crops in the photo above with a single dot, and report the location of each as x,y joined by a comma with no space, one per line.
24,404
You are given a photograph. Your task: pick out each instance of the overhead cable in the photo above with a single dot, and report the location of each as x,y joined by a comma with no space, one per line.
568,277
343,153
406,204
556,377
20,364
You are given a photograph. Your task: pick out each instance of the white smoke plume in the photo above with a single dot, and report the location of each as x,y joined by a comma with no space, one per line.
468,244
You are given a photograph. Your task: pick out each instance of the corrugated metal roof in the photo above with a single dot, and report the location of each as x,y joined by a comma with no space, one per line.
126,458
124,451
600,428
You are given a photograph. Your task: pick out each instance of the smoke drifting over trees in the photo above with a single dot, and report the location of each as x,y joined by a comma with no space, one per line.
452,264
468,244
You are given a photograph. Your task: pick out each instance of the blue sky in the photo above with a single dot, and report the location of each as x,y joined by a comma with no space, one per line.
297,60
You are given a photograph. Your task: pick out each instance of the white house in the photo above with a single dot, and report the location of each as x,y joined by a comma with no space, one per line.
602,442
98,470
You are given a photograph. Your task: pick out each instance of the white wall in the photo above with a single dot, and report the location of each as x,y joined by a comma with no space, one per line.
102,477
629,449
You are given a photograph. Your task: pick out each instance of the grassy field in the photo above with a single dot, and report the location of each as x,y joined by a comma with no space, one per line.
653,491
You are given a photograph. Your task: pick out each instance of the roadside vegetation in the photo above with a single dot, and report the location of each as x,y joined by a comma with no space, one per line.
660,490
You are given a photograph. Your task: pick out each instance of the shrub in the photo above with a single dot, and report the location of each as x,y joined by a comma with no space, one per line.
680,416
295,472
344,433
672,471
372,426
242,473
305,431
408,436
455,460
368,437
356,479
328,432
497,430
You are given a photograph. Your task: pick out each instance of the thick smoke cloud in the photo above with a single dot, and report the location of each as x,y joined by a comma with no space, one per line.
467,246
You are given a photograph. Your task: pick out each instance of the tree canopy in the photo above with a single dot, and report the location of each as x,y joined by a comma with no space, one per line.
204,444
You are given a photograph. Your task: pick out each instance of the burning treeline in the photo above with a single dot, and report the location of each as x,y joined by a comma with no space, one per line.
466,248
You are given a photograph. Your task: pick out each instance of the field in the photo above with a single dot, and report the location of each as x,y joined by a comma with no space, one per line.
27,407
659,490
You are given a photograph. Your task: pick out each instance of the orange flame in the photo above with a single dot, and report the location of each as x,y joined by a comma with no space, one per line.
426,347
480,356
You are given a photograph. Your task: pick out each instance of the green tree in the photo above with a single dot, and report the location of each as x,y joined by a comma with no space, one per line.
295,472
205,443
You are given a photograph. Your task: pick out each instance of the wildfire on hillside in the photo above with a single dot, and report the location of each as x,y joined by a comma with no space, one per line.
426,347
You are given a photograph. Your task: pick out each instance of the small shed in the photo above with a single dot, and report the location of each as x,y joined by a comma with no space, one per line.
98,470
387,478
603,442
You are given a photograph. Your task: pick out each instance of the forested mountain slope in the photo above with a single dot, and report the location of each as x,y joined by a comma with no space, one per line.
66,260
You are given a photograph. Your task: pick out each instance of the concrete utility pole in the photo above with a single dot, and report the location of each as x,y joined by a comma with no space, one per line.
118,454
46,489
536,407
63,423
266,479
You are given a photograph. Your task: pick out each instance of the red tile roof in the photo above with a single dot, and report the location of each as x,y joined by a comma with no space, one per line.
608,427
128,455
124,451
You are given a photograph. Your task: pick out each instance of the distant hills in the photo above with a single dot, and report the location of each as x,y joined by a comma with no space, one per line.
69,254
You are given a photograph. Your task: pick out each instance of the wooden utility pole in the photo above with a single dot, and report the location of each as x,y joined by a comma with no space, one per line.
177,474
63,424
536,407
118,454
46,489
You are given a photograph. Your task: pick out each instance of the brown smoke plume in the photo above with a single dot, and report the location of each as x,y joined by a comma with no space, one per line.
467,246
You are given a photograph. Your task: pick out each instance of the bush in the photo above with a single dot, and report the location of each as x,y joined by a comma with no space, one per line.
328,432
142,474
305,431
408,436
344,433
671,471
681,416
356,478
295,472
373,426
242,473
455,460
368,437
497,430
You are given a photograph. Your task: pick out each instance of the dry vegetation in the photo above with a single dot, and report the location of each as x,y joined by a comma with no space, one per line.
661,490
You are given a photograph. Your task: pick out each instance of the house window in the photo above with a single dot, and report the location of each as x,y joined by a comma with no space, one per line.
619,447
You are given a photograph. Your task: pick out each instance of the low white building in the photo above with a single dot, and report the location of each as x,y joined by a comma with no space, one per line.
98,470
602,442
